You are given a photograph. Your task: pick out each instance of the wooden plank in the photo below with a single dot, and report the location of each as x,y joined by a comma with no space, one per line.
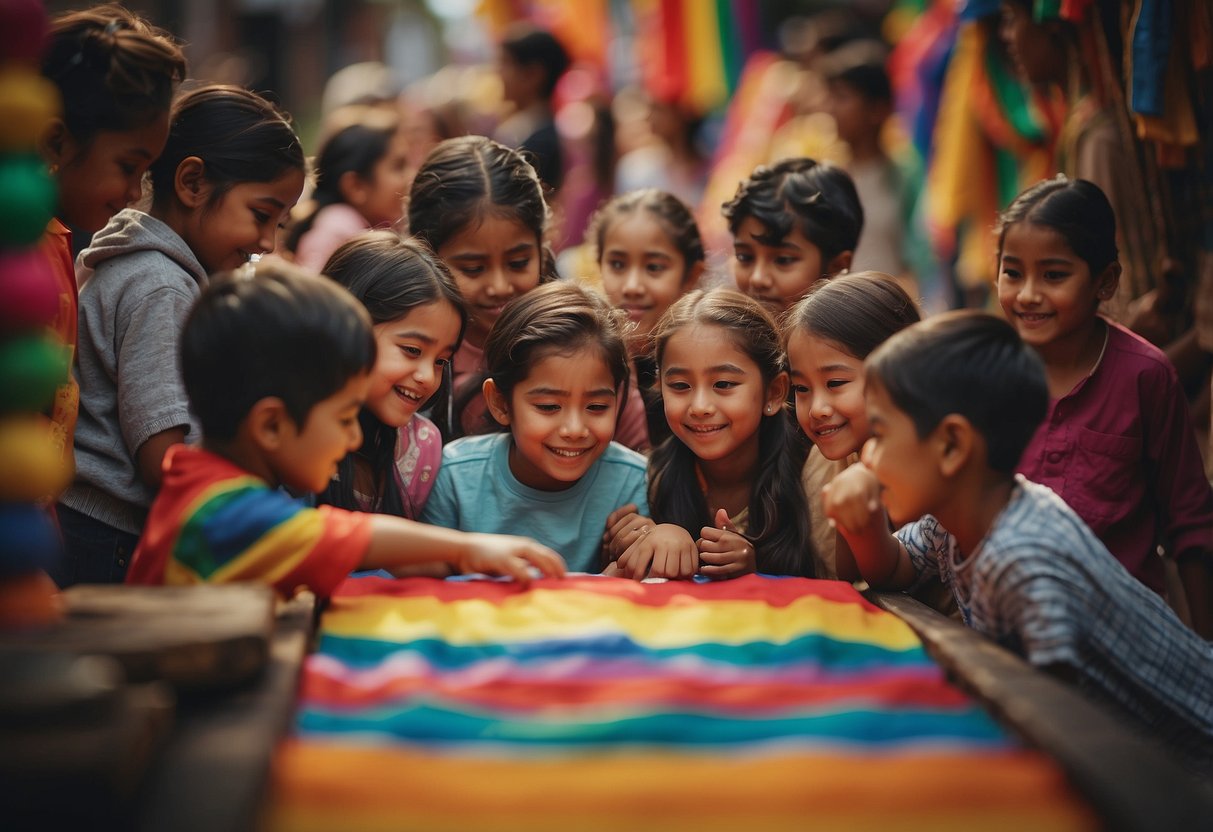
1131,781
214,771
195,637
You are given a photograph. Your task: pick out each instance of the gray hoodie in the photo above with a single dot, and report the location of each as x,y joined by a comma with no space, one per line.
138,281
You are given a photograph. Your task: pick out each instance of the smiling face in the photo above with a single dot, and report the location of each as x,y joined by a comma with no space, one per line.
99,179
244,221
306,458
412,353
1046,290
904,464
776,276
562,417
492,261
642,272
714,394
828,383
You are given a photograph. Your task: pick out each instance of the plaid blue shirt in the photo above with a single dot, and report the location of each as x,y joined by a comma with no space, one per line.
1042,585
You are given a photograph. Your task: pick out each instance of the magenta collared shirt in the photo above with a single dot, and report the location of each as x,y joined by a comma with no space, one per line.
1120,449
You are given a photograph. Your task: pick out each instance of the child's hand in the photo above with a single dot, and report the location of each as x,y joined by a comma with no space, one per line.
623,528
852,500
724,552
667,551
502,554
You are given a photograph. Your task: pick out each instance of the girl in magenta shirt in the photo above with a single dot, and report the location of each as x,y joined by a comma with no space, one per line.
1117,443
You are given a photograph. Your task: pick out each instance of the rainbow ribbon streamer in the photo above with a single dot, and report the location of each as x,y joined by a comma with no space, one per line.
599,703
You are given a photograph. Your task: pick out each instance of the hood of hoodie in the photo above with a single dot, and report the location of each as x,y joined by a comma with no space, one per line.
131,231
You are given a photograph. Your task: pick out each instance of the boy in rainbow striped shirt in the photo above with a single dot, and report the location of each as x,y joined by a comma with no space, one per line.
276,365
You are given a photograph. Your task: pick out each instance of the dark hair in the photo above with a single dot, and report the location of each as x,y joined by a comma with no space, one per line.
390,276
1076,209
466,178
819,197
856,311
238,135
972,364
779,520
355,148
556,318
860,65
114,70
672,213
270,330
529,46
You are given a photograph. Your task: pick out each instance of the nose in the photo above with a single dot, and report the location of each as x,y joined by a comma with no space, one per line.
1029,292
355,436
701,402
573,425
424,373
633,286
760,275
820,405
498,285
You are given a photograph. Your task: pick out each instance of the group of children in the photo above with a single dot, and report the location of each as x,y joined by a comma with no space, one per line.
456,393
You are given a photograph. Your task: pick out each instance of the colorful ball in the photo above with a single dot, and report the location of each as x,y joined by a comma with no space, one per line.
27,102
29,199
32,367
32,466
22,29
29,297
28,538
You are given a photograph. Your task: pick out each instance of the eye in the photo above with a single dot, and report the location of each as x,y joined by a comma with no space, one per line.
598,407
725,384
547,408
785,260
1056,277
470,271
837,382
442,362
1010,273
657,268
261,217
520,264
615,264
800,389
743,257
677,386
410,350
128,169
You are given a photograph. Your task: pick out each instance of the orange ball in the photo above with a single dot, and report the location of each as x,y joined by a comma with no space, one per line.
33,465
27,102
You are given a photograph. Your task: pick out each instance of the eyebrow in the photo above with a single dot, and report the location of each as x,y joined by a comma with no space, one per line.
1060,261
719,368
834,368
277,203
552,391
416,335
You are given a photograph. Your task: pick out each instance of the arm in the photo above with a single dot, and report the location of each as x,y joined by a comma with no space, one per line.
150,456
396,542
852,502
1196,575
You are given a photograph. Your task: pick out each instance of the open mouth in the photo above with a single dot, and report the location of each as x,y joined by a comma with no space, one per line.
705,430
1033,317
828,431
569,453
408,395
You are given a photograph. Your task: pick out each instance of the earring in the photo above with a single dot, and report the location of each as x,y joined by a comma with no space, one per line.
770,410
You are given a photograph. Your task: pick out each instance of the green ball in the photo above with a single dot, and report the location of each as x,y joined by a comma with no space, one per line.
29,199
31,369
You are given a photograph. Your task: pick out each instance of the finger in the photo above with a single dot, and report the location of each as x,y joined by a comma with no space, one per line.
550,563
723,521
716,573
622,511
718,558
622,524
515,567
712,533
689,563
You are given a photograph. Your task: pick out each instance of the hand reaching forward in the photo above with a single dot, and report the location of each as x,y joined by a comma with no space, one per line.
624,526
852,501
502,554
667,551
723,551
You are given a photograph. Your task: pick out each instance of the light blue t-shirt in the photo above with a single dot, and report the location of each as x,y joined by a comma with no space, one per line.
475,491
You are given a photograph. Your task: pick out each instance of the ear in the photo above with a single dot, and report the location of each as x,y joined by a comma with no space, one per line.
1108,280
499,406
190,183
267,422
352,188
953,441
840,264
777,394
56,145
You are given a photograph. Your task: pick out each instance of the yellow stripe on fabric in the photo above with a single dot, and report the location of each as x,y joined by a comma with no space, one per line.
706,84
326,786
543,614
277,553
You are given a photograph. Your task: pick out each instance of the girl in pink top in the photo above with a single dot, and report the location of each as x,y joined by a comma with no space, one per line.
1117,444
418,319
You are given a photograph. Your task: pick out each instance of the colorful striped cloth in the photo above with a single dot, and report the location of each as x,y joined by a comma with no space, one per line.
600,703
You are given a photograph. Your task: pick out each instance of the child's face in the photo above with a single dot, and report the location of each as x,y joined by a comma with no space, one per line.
714,394
306,459
101,178
562,417
902,462
1036,55
492,261
828,383
413,351
642,272
381,199
1045,289
858,118
776,276
245,221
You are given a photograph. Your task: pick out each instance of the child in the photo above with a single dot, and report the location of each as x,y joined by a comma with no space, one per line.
792,224
480,207
229,174
731,471
277,365
1117,444
115,74
531,62
829,333
361,177
649,254
558,368
418,319
952,402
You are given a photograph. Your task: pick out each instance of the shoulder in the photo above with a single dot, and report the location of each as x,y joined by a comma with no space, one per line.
1129,352
1039,532
622,458
473,449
